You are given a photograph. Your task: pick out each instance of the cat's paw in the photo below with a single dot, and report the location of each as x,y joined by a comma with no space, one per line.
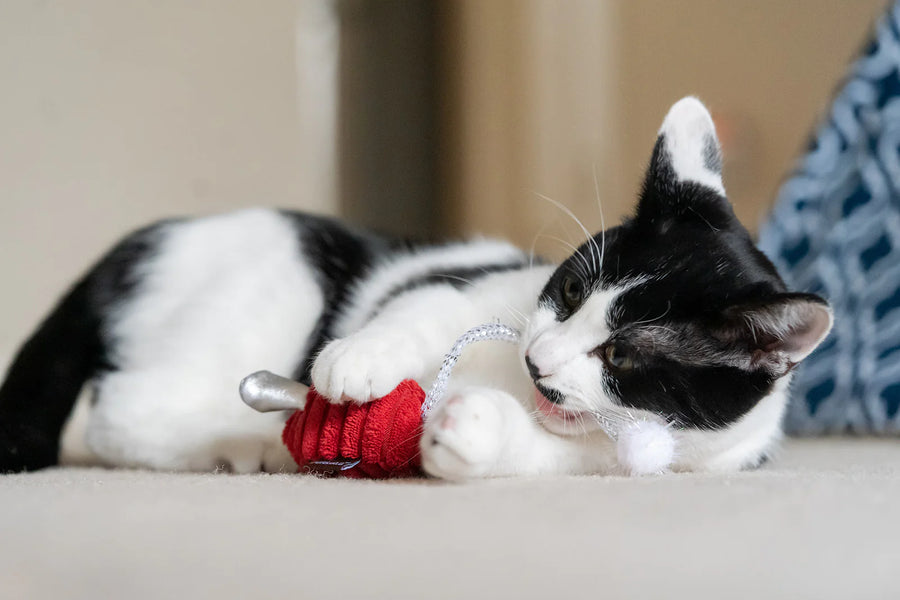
364,367
465,437
261,455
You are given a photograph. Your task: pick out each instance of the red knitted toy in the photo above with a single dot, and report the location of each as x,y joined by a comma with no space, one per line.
376,439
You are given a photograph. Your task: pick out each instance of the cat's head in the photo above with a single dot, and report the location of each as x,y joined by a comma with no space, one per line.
675,313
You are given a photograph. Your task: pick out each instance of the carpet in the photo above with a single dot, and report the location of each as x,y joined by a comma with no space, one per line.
817,522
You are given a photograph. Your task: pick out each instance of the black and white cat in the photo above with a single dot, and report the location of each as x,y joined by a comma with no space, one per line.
674,314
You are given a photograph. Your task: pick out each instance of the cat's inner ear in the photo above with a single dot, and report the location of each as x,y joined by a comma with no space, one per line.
687,148
779,332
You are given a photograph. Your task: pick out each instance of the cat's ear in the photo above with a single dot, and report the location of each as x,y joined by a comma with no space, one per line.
779,332
685,172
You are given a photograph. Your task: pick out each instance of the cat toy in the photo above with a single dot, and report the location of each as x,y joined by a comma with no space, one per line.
381,438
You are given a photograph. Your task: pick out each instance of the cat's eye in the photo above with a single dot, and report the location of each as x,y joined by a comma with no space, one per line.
572,291
617,357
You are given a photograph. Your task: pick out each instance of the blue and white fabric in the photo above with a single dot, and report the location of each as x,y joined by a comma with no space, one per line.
835,231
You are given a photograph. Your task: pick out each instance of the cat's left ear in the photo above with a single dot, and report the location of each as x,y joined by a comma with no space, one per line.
685,172
779,332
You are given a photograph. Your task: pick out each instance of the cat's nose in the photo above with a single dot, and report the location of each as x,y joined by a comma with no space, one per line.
532,368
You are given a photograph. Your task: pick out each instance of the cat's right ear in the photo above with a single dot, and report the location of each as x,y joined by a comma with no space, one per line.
778,332
684,178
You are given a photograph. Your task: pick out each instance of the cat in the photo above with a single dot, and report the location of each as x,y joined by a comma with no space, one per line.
673,315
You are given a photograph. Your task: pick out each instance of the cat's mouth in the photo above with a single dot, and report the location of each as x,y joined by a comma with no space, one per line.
557,419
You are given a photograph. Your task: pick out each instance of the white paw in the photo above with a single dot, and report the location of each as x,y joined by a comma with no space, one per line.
465,436
266,459
363,367
248,454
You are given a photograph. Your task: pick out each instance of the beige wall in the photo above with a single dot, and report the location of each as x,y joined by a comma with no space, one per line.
766,68
116,113
527,110
539,93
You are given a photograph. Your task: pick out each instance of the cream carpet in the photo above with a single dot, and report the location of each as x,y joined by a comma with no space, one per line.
821,521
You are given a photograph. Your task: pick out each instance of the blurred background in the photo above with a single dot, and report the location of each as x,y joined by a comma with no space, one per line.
422,118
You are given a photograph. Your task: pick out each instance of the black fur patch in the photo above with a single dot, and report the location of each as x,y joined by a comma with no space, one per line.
340,256
550,394
458,278
68,348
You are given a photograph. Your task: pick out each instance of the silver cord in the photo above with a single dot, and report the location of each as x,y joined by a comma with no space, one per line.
493,331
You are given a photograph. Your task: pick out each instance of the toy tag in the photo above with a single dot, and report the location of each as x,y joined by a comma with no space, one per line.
331,467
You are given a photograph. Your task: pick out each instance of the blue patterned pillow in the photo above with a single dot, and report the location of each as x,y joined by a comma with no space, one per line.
835,231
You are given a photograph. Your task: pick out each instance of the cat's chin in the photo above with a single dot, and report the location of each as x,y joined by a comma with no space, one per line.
560,421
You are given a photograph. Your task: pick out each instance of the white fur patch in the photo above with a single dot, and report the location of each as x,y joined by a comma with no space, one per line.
224,296
739,445
562,353
404,266
485,432
688,129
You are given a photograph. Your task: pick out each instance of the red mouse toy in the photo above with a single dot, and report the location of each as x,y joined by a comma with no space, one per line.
376,439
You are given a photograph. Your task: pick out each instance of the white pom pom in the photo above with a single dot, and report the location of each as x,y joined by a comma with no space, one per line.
645,447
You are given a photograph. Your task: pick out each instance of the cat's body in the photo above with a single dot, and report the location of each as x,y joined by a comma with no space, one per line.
673,315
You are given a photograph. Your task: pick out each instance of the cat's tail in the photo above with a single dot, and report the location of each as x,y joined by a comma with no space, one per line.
44,381
67,349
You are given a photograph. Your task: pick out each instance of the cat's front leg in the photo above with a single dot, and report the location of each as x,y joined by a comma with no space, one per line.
408,337
483,432
366,365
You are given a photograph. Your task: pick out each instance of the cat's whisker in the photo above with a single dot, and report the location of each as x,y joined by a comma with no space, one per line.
581,263
523,319
515,313
668,308
751,326
704,219
590,239
609,420
568,245
582,424
617,418
572,248
416,433
458,278
537,236
602,219
662,328
582,270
